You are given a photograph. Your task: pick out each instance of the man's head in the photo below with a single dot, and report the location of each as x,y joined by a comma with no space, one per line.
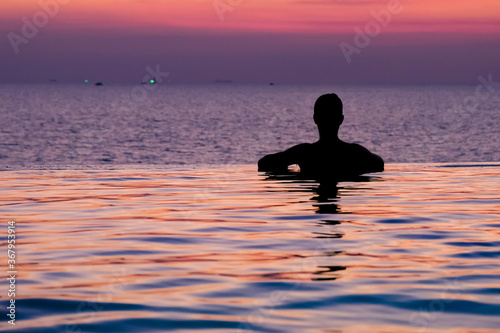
328,111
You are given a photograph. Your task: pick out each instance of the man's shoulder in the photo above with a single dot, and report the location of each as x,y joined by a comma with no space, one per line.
358,147
297,149
300,146
367,156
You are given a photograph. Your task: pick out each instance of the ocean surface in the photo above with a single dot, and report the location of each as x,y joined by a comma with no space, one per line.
143,211
237,124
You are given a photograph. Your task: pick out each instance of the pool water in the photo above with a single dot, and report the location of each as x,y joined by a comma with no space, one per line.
228,249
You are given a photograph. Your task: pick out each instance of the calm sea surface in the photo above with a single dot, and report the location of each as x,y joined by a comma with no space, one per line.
238,124
227,249
143,211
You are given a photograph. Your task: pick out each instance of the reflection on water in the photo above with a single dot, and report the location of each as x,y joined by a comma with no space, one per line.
229,250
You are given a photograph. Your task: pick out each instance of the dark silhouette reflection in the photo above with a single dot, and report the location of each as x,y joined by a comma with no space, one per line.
327,197
329,158
326,191
327,270
325,200
328,234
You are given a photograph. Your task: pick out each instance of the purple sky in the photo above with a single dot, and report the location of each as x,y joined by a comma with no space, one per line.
119,53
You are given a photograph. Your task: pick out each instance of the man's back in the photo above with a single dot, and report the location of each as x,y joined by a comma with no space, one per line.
330,157
325,160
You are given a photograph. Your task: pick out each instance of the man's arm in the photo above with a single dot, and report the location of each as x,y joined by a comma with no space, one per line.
279,162
370,162
377,163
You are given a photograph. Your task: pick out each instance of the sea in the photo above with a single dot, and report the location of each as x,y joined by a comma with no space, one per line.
139,208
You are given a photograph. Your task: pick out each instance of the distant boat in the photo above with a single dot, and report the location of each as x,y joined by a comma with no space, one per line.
98,84
152,81
271,84
223,81
53,81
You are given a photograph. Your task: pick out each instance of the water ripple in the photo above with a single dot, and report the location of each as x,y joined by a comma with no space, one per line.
226,249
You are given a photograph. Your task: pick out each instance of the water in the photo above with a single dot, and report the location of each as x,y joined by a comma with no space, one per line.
237,124
227,249
147,213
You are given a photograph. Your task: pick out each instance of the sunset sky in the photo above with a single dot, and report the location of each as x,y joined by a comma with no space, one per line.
256,41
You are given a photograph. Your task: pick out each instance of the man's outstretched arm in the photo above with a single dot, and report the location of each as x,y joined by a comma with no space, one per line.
279,162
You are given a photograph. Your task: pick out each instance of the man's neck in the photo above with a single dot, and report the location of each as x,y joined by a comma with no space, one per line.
329,137
329,140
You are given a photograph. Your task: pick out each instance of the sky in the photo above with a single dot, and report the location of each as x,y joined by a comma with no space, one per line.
251,41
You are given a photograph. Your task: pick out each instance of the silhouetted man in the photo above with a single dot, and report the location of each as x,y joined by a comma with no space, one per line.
329,157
